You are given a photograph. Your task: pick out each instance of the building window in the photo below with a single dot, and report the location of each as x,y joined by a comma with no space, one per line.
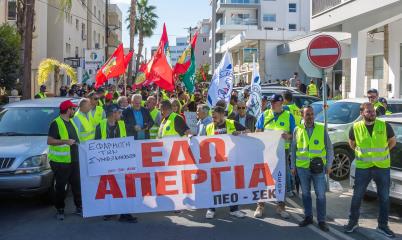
76,52
94,11
99,14
68,48
269,18
12,10
77,24
204,53
292,27
204,39
292,7
378,67
94,37
83,32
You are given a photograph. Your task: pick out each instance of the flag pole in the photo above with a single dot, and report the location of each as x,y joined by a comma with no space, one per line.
125,84
157,95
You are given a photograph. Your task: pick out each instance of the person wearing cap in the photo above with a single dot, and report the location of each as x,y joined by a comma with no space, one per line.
113,127
278,119
82,120
312,89
63,158
96,114
385,104
108,100
42,92
101,96
372,95
290,106
156,117
138,119
221,125
172,124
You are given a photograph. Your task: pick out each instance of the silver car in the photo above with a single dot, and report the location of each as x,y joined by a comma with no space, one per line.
395,192
24,167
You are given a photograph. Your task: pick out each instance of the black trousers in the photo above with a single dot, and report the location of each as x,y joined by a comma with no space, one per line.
64,174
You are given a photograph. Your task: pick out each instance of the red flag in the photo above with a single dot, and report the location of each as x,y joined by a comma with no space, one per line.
141,77
113,67
184,61
158,69
127,58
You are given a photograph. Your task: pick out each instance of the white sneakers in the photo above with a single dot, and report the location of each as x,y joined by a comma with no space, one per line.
211,214
281,211
259,212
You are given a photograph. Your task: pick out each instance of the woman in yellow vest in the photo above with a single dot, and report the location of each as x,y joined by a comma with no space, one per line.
371,139
312,155
113,127
312,89
63,158
221,125
172,124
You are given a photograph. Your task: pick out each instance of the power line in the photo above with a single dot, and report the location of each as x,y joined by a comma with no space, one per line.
64,11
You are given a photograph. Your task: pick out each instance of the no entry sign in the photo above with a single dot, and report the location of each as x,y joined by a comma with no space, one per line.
324,51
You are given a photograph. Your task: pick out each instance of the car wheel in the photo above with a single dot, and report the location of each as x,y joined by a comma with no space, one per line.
341,165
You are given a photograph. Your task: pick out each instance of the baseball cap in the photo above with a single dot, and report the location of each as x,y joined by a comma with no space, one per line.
64,106
265,98
372,90
382,100
109,96
276,98
113,108
43,86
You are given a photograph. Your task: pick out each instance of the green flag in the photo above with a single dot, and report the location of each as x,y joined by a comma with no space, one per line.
189,76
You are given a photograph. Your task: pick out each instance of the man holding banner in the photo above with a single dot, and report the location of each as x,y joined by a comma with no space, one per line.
172,124
278,119
221,125
113,127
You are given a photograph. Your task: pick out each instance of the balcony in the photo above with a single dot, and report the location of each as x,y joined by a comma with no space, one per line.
236,24
224,4
319,6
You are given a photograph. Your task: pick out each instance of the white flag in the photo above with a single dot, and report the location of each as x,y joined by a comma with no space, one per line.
254,101
222,82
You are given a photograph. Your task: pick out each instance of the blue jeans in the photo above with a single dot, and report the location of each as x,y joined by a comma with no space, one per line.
320,186
381,177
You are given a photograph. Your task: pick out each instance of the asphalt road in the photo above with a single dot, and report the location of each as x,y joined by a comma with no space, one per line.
30,218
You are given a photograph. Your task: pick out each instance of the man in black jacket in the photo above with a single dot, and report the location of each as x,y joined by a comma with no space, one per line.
247,120
138,120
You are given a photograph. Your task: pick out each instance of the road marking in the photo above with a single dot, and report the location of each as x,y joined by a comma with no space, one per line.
314,228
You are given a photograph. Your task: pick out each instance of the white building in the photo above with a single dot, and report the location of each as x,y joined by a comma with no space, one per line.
177,50
115,27
247,27
203,45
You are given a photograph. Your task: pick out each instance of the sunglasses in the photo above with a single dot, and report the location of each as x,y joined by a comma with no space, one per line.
241,107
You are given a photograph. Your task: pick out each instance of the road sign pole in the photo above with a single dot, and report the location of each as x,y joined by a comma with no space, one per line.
324,97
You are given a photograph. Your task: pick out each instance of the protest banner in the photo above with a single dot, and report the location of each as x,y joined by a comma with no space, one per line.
186,173
191,121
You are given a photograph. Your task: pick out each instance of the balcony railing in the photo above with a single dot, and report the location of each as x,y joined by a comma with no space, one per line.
322,5
240,1
238,21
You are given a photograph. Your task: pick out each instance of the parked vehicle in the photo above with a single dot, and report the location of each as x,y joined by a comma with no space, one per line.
299,99
395,192
318,106
24,125
341,116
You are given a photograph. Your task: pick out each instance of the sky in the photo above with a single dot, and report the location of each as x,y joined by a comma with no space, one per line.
177,14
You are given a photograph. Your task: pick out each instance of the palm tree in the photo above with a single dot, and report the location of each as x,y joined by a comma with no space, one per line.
145,24
131,20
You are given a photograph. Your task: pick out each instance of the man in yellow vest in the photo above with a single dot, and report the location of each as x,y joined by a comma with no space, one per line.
113,127
155,115
221,125
82,120
172,124
42,92
372,95
384,102
96,114
312,155
372,140
290,106
101,95
312,89
278,119
63,157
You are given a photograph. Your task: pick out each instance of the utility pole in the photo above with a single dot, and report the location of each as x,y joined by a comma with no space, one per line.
106,29
190,29
28,34
213,39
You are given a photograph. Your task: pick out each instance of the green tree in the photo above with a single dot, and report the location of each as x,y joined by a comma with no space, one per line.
10,56
145,24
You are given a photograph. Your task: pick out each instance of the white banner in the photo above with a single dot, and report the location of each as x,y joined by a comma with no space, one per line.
191,121
182,173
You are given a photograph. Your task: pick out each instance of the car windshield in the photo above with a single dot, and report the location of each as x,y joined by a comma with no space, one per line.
317,108
26,121
396,152
341,113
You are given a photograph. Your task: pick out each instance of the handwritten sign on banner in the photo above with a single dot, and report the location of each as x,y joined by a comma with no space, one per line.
188,173
111,156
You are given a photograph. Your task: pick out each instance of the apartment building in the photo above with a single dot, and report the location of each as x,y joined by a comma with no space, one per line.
256,27
115,28
203,46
